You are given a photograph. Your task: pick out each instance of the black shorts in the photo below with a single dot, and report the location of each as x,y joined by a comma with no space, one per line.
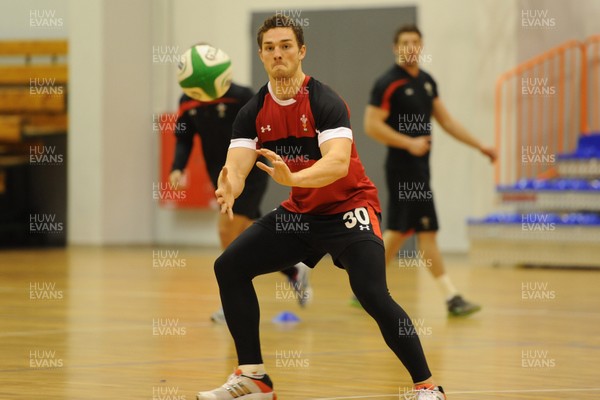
248,203
411,207
325,233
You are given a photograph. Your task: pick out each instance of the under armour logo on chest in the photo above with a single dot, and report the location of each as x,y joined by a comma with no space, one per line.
267,128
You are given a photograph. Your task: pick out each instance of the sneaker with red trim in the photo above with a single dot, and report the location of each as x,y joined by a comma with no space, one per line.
426,392
242,387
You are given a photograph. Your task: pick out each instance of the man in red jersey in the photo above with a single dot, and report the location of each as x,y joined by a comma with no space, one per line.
303,129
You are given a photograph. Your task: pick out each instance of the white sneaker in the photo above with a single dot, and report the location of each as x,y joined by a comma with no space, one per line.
218,317
241,387
301,284
426,392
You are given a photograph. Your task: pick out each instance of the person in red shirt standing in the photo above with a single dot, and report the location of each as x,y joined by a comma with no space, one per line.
302,128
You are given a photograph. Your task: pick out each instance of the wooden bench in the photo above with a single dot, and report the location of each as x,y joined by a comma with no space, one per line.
32,94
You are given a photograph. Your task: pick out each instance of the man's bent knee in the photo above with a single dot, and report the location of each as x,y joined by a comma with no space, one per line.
224,267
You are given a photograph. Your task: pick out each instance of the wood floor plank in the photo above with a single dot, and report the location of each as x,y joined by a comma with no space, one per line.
133,323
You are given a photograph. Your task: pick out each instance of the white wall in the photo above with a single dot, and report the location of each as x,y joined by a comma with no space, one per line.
15,16
84,138
471,43
571,20
469,49
128,166
111,164
115,90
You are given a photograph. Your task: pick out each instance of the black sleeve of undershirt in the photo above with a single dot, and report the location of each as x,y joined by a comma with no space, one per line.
184,133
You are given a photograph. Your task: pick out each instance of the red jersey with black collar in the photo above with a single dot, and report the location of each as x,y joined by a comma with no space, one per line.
295,129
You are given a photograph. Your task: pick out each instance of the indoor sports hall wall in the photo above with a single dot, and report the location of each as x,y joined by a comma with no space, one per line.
470,42
116,89
15,24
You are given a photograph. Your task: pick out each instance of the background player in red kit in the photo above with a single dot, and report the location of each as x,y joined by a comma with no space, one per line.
213,122
402,103
302,127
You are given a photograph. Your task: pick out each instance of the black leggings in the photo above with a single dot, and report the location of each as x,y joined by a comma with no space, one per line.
259,251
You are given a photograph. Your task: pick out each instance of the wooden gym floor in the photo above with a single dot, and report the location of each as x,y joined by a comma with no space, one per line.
133,323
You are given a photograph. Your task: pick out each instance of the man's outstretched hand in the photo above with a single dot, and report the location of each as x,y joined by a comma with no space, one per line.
224,194
490,152
279,170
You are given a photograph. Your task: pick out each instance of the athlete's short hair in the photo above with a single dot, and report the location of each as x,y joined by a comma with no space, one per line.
280,21
407,29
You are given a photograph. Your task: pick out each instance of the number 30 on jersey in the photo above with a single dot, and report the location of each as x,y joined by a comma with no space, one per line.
357,216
